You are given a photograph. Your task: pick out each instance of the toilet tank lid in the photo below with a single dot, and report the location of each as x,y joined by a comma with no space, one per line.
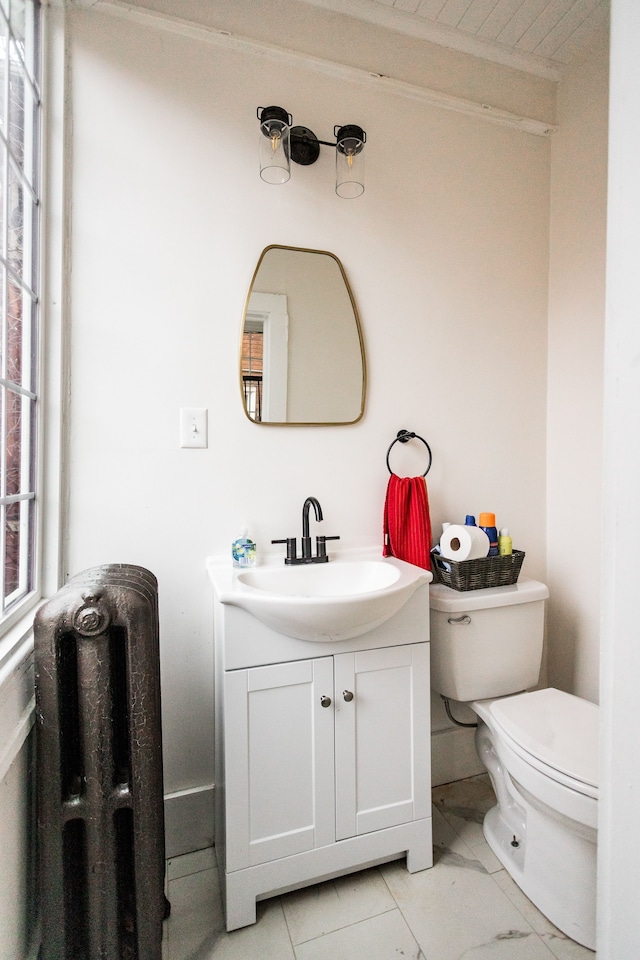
455,601
558,728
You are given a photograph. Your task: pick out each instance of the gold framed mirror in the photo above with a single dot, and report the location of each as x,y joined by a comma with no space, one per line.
302,360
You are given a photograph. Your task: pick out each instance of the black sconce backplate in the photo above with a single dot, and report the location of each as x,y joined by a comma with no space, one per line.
305,146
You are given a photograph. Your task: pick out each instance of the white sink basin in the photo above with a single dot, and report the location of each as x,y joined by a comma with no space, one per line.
325,601
322,579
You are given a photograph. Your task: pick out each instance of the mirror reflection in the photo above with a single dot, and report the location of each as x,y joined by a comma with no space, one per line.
302,358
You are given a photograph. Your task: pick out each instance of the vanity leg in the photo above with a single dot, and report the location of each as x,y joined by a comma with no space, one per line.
420,853
240,903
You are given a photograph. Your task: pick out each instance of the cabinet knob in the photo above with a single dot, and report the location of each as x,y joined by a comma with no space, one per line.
325,701
347,695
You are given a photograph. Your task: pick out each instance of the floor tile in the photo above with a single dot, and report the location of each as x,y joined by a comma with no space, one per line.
267,939
464,804
511,945
192,901
487,857
456,910
196,929
565,949
328,906
561,946
191,863
447,841
386,937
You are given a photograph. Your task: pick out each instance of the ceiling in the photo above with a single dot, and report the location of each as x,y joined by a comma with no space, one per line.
527,34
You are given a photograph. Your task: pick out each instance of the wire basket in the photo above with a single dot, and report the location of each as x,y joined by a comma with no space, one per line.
477,574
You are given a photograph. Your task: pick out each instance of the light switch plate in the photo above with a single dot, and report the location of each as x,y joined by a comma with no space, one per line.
193,427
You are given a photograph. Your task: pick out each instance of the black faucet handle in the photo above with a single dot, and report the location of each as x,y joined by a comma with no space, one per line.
291,548
321,545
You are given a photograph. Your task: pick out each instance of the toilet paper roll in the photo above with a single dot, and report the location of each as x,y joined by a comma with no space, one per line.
464,543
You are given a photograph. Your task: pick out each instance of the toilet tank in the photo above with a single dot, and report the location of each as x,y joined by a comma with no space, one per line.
486,643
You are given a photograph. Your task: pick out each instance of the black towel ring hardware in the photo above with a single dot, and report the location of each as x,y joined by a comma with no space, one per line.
404,436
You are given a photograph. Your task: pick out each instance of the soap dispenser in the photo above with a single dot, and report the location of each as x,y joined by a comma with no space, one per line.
243,550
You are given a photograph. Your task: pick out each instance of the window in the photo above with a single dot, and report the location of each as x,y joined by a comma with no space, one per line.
265,357
252,351
19,219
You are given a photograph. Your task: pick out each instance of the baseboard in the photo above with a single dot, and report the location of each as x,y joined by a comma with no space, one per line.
189,820
454,755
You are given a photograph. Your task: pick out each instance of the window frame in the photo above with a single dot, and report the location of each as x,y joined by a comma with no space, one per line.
49,438
21,171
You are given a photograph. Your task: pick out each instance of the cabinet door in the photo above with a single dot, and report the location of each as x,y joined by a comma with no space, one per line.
383,759
279,761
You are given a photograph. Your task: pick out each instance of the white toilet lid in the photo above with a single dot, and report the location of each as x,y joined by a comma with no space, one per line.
555,727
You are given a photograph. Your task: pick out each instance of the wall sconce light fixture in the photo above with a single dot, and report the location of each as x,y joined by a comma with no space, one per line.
280,143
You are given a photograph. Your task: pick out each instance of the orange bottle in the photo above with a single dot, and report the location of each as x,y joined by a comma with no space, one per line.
487,522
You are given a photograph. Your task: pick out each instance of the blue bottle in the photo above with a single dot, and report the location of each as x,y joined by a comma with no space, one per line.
488,524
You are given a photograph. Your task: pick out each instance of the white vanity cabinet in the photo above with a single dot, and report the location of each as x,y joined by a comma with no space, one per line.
322,753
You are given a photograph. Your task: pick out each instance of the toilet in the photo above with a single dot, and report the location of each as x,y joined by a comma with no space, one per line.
540,747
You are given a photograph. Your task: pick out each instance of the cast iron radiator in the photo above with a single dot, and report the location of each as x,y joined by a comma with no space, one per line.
99,768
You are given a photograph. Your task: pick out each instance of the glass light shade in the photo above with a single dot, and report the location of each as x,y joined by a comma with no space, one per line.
275,165
350,162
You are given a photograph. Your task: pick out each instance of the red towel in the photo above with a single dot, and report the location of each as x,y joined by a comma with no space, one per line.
407,525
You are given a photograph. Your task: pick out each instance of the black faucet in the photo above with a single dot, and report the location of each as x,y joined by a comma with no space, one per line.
306,539
321,541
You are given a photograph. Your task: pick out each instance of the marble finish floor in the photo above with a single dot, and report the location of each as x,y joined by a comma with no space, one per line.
466,908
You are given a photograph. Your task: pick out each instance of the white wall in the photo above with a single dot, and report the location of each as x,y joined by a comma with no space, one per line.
17,841
447,257
575,544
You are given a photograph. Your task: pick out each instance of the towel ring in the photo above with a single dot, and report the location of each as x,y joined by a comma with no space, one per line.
404,436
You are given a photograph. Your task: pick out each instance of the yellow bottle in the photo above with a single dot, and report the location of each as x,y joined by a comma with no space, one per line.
505,544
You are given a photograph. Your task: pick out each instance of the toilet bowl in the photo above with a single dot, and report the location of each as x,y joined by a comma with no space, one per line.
539,747
540,750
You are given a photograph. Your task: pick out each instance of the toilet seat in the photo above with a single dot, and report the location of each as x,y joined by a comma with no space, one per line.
555,732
